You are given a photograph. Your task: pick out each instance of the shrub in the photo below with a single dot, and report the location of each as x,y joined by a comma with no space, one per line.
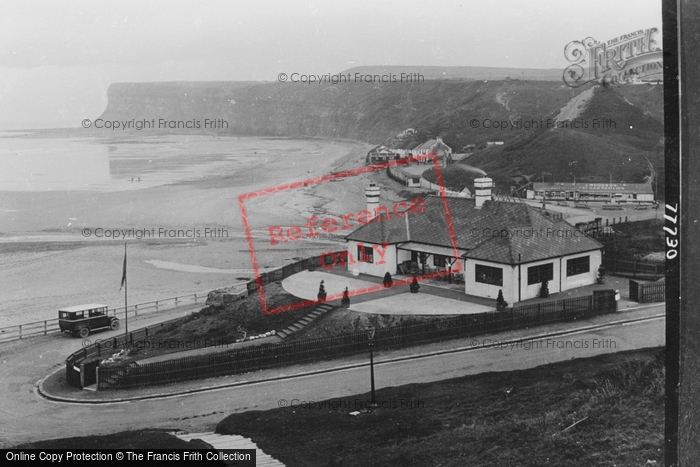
388,281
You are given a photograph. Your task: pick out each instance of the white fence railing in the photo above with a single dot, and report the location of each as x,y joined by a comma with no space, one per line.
45,327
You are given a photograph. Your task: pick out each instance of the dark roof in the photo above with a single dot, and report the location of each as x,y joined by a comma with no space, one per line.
500,232
407,144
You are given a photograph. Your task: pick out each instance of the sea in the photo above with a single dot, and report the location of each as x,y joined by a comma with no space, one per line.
48,163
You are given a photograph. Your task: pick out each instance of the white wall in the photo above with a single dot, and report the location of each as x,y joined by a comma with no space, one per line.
388,262
509,287
533,291
580,280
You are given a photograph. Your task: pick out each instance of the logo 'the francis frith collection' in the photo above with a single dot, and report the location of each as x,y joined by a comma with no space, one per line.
626,59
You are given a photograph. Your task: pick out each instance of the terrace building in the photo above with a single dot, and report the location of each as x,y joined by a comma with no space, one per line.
604,192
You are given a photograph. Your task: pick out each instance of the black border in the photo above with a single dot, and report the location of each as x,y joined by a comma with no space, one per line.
684,416
672,199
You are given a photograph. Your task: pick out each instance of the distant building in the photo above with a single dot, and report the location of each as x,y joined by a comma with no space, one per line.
401,176
604,192
515,249
436,146
494,143
410,148
381,154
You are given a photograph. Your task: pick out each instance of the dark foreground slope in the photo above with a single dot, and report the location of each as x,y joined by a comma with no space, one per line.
606,410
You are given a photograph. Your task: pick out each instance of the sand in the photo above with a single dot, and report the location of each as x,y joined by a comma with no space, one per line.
47,263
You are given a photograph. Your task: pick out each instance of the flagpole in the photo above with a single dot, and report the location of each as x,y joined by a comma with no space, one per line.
126,306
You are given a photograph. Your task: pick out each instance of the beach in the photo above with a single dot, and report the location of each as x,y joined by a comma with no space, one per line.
181,223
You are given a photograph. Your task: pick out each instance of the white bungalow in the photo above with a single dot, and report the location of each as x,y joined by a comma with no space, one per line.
505,246
434,146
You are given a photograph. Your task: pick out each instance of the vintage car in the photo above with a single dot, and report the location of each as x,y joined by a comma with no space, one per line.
80,320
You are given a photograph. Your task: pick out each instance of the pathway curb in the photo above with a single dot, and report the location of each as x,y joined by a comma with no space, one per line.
39,389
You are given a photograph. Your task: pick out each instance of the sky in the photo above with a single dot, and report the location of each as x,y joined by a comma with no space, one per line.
57,59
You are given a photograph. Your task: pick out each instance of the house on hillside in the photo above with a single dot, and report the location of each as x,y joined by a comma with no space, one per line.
437,146
516,247
380,154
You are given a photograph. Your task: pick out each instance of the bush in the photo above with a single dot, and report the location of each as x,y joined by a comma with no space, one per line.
501,304
544,289
388,281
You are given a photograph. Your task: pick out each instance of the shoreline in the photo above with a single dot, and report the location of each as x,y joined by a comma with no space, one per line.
46,263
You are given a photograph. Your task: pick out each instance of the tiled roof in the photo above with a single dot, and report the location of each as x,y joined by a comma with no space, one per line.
501,232
407,145
427,145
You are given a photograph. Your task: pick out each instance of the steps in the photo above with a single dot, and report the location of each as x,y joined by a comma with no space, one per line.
232,442
306,320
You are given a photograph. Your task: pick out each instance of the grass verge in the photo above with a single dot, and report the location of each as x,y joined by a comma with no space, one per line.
215,325
605,410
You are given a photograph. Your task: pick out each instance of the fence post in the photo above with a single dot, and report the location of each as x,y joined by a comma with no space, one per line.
45,328
175,301
136,310
156,305
195,297
20,331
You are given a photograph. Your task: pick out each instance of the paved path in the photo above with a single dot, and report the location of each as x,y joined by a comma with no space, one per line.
27,417
442,299
232,442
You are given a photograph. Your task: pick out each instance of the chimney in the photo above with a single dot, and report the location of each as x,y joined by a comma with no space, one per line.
372,195
482,187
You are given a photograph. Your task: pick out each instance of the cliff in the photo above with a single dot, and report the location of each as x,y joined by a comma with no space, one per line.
461,111
369,112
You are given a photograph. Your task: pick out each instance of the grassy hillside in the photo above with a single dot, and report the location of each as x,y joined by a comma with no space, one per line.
361,111
616,151
617,400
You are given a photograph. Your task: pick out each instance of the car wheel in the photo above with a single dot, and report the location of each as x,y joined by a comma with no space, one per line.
114,324
84,332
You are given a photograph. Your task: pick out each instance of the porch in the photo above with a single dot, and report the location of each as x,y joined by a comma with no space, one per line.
436,265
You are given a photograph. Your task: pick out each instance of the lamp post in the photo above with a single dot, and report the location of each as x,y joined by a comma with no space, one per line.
370,340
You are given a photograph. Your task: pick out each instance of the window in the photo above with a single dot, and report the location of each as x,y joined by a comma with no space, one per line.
439,261
489,275
578,266
365,254
539,274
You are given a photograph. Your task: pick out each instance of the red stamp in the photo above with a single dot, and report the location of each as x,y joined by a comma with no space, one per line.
314,225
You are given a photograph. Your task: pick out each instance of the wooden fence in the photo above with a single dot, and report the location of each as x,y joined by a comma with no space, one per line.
634,268
75,371
647,292
290,269
49,326
295,352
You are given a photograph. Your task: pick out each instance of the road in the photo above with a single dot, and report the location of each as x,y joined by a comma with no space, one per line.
25,416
